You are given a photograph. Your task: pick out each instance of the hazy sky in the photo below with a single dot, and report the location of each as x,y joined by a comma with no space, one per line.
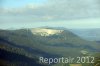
56,13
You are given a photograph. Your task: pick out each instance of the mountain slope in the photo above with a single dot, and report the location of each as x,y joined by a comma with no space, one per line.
53,43
13,59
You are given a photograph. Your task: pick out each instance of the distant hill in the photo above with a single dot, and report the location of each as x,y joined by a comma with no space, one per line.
46,42
88,34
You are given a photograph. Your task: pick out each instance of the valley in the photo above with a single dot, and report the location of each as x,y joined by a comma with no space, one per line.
27,45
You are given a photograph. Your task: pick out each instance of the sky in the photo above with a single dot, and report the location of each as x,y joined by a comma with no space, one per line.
53,13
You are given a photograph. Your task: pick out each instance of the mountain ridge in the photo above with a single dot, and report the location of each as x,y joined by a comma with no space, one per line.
56,45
